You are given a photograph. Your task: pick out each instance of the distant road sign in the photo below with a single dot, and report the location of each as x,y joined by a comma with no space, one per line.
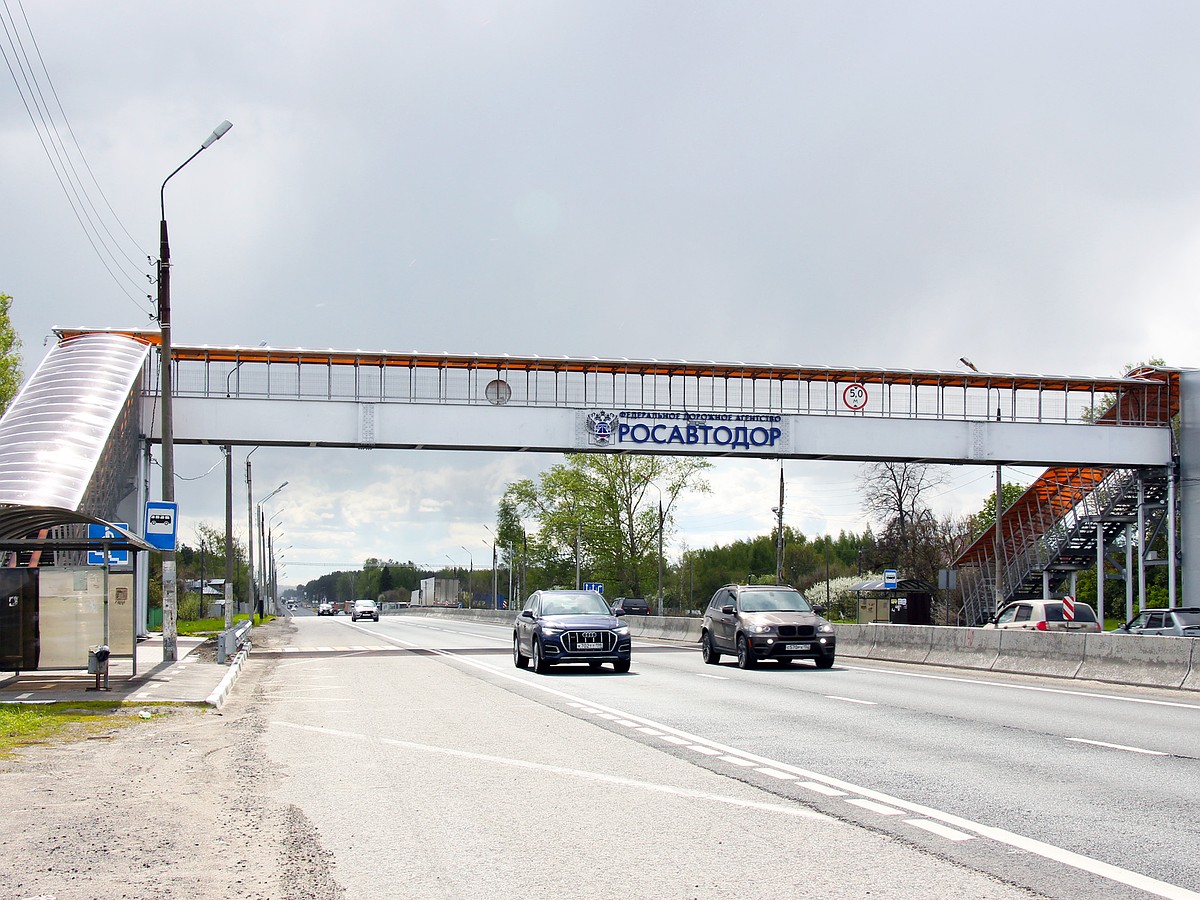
161,519
103,533
597,586
889,578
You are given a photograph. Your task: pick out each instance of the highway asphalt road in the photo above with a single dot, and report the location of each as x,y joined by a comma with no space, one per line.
427,762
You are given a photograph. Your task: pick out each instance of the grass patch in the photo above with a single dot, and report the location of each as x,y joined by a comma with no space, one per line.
210,626
23,724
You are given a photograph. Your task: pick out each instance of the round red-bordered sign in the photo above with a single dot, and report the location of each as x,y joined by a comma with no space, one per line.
855,396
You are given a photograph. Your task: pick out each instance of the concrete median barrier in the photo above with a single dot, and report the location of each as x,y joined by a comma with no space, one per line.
1192,681
1053,653
967,648
1136,659
901,643
854,640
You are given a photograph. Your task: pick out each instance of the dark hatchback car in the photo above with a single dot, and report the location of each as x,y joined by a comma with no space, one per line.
556,627
765,622
631,606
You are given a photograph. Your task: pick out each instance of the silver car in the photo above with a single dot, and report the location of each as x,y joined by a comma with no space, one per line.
1182,621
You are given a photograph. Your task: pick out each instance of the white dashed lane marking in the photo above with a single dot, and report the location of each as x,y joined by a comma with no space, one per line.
1118,747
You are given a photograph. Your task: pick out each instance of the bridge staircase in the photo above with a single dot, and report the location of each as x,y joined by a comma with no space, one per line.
1052,530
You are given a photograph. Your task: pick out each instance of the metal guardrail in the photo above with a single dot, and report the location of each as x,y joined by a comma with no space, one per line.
230,640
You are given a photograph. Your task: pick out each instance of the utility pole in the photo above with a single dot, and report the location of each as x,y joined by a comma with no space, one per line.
660,554
779,531
228,448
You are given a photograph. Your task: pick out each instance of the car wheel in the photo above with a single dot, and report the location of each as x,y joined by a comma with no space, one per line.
539,662
354,618
708,650
621,666
520,660
745,653
824,662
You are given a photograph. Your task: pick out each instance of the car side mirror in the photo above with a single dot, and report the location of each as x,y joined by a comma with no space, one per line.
727,609
819,610
527,614
618,612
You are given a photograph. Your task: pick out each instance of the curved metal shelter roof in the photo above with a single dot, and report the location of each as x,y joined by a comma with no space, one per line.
54,433
20,525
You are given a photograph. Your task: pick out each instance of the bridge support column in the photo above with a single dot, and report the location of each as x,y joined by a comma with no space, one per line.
1189,484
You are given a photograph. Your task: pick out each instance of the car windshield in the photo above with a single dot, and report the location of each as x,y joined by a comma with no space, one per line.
366,603
581,604
773,601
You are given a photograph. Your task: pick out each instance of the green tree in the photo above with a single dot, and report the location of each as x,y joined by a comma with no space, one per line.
10,355
1093,414
601,510
1009,494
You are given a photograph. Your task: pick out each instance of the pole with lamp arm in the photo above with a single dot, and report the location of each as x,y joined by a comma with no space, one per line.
454,570
495,586
252,588
262,542
470,578
169,583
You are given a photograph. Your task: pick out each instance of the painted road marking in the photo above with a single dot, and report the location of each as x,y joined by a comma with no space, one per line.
940,830
1118,747
707,751
775,773
713,677
1027,687
736,760
822,789
874,807
1021,842
605,777
851,700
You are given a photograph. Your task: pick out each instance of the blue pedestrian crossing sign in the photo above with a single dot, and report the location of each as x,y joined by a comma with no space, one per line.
161,524
104,533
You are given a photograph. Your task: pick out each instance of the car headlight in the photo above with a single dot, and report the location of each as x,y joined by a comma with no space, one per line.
761,629
551,632
621,629
825,628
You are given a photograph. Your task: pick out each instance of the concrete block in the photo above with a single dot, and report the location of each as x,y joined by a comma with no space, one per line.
1148,659
1054,653
854,640
901,643
1192,681
967,648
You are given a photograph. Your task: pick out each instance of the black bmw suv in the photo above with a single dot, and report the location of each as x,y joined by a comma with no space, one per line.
757,622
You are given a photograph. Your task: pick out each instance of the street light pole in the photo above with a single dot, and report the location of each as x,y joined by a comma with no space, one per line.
169,585
262,541
470,579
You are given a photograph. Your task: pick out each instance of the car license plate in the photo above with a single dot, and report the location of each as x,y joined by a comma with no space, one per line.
589,645
797,647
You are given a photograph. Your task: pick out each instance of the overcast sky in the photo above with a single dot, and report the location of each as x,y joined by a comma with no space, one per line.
833,183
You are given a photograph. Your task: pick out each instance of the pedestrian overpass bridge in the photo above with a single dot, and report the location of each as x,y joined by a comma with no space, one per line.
94,401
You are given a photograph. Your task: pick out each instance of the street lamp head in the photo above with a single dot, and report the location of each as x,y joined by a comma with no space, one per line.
218,133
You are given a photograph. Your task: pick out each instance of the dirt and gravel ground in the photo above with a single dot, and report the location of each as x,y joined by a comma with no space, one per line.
177,806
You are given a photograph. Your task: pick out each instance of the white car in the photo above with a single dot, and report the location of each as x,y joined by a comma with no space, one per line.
1045,615
364,609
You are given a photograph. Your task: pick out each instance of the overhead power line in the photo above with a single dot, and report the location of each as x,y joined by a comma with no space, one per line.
29,79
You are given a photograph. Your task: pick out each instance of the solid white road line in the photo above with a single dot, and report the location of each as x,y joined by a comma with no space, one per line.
1000,835
1118,747
851,700
1026,687
793,811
